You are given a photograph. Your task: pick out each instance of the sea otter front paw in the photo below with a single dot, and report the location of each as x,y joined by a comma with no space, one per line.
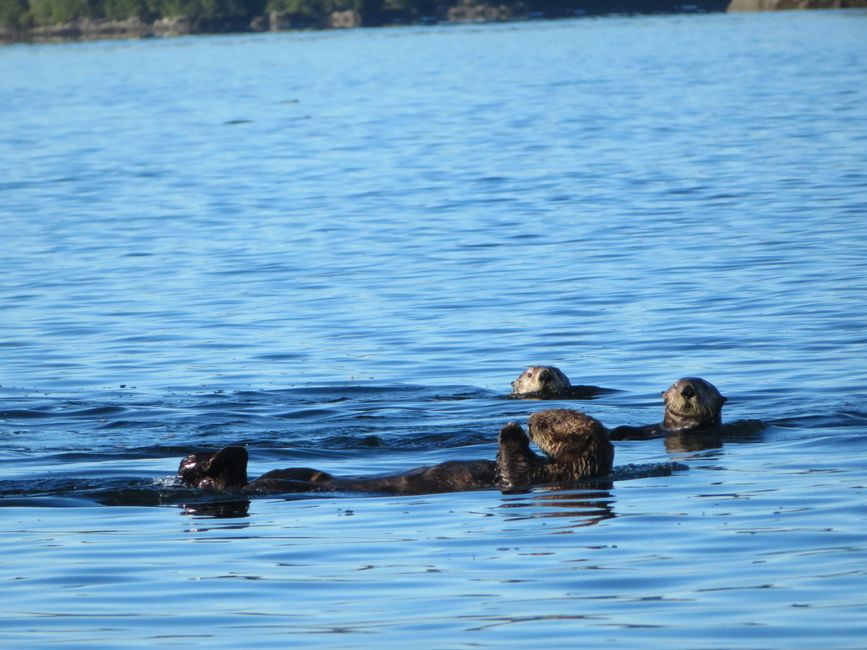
514,459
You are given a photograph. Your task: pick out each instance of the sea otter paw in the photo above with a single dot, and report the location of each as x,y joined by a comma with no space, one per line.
514,459
514,434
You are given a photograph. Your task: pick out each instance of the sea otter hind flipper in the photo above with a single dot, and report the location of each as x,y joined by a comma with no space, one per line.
221,470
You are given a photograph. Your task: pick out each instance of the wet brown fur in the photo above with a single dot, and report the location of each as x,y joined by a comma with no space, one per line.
576,447
226,470
221,470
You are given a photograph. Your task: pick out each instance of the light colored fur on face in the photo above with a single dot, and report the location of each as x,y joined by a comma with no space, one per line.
542,380
692,403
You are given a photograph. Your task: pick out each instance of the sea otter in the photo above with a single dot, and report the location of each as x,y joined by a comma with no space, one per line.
226,471
577,445
547,382
691,404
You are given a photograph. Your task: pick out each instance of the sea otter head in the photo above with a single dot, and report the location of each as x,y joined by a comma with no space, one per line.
573,440
692,403
541,380
221,470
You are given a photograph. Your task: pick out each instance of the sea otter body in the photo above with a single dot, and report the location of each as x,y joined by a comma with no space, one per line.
691,404
576,444
226,470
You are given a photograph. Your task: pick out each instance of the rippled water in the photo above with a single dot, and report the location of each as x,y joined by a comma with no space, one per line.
339,248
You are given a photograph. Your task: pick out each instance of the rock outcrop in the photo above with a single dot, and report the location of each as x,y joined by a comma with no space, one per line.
780,5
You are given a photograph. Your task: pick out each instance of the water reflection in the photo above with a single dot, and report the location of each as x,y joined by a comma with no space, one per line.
742,431
235,509
585,504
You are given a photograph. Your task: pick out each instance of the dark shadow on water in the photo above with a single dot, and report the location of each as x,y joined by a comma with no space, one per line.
585,505
739,432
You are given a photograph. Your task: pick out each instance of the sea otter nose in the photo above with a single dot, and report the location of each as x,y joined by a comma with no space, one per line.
688,391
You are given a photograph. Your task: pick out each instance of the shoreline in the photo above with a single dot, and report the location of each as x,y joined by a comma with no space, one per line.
97,29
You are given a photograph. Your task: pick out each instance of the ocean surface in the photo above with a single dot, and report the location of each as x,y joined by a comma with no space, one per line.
339,248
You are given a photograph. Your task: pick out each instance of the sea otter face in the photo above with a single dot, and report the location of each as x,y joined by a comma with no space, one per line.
576,444
692,403
542,380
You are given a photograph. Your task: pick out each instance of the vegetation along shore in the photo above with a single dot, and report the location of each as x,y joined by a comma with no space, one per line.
62,20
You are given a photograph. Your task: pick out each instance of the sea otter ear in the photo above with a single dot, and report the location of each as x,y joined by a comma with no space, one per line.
724,399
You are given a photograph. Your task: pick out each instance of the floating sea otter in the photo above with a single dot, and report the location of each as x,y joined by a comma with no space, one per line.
576,444
549,382
576,447
226,470
691,404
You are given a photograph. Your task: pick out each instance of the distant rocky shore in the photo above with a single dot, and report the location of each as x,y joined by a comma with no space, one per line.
785,5
463,11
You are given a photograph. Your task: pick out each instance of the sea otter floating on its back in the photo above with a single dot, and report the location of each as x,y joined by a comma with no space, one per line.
576,445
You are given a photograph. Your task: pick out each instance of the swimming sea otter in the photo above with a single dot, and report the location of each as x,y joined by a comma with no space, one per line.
545,382
691,404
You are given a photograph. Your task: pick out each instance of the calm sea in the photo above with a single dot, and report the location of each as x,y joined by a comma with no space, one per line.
339,248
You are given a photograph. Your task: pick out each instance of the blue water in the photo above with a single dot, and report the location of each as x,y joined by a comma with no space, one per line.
339,248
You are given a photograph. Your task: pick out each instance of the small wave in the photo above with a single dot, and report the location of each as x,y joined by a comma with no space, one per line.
97,411
308,413
352,390
125,424
24,414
